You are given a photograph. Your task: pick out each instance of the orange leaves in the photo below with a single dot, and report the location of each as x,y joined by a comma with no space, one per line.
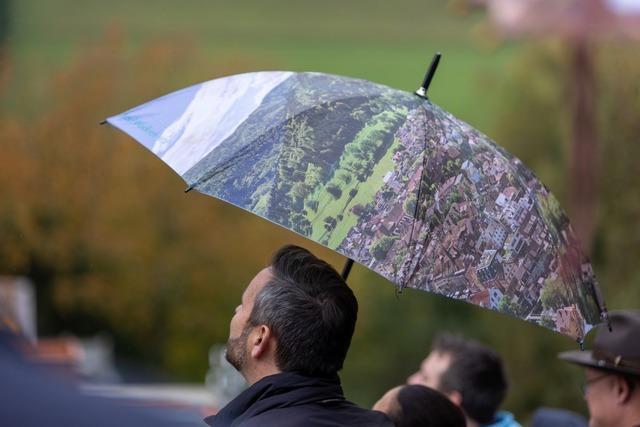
104,228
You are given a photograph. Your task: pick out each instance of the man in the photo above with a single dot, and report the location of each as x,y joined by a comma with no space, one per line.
471,376
612,372
289,338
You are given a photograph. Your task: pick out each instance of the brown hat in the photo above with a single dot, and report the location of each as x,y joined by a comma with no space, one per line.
617,350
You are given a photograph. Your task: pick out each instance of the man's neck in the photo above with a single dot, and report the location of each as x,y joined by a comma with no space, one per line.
632,415
254,374
471,423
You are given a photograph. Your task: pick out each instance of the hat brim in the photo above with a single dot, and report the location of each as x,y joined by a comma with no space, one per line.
586,359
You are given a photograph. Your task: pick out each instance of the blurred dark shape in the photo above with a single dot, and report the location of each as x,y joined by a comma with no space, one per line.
419,406
579,23
5,27
32,396
5,17
552,417
17,306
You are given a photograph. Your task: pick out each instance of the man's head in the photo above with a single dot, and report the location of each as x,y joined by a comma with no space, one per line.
612,372
297,315
416,405
469,373
610,396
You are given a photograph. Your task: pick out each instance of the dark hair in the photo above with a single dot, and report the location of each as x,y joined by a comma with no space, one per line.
310,310
420,406
476,372
633,381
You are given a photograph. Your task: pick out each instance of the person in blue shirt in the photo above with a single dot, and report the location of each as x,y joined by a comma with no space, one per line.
471,375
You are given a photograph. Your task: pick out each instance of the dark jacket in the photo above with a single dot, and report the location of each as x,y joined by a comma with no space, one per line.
289,399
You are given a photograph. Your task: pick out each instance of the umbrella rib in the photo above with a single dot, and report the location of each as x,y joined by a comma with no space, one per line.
416,210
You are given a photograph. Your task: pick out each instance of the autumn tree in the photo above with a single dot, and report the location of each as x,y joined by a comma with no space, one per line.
103,229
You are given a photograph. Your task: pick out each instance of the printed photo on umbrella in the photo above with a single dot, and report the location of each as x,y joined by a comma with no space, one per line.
384,177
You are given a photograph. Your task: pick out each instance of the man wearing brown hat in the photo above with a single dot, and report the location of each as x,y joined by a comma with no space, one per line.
612,372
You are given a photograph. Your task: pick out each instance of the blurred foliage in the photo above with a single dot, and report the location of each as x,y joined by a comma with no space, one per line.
534,123
112,243
5,19
107,250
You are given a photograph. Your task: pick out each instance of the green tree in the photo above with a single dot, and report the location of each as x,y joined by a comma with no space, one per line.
330,223
357,209
504,305
410,205
554,294
381,247
334,190
95,224
312,204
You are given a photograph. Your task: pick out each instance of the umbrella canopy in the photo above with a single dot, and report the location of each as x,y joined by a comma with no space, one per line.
384,177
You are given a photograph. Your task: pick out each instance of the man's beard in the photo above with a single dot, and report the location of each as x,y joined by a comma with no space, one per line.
236,353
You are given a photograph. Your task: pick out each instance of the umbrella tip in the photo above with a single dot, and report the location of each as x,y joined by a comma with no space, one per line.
422,90
607,320
103,122
346,269
189,188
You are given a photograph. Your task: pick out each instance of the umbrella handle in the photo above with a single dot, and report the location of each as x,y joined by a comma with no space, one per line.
422,90
347,269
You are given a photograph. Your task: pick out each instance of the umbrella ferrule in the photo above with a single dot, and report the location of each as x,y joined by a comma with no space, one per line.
422,90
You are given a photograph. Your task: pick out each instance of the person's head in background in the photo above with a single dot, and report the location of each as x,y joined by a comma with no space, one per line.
419,406
612,372
470,374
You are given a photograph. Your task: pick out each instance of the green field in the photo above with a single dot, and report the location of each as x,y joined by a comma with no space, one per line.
387,42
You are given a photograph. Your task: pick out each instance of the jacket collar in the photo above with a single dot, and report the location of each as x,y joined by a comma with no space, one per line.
277,391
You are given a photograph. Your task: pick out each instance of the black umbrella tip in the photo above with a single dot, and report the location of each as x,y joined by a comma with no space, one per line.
103,122
424,87
347,269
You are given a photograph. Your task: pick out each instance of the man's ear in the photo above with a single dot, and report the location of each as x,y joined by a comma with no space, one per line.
455,397
260,341
622,390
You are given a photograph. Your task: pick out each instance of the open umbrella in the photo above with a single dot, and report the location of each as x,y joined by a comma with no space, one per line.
384,177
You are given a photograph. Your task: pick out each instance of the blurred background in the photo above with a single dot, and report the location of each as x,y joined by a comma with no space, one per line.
99,243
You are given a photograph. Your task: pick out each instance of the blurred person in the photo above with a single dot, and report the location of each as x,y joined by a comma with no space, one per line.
289,338
553,417
32,396
612,372
471,375
419,406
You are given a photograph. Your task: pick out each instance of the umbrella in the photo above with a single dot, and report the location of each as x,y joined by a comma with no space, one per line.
384,177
